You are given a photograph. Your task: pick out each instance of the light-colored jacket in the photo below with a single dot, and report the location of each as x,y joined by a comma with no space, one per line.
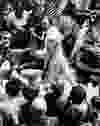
59,67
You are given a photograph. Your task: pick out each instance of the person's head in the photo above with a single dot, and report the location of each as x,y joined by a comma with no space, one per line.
13,87
53,38
78,3
45,23
19,8
78,94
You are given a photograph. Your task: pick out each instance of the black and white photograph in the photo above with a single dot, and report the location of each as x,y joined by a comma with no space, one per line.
49,62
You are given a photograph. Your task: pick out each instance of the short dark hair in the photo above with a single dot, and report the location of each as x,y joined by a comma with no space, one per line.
29,93
13,87
78,94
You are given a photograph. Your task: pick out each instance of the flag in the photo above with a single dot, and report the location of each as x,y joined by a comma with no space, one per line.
52,9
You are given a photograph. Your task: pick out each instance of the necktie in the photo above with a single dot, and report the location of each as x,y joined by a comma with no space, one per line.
46,67
43,36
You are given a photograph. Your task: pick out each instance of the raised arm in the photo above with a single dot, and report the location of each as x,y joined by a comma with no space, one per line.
80,38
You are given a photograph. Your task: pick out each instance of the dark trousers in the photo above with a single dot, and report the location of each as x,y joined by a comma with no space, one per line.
20,39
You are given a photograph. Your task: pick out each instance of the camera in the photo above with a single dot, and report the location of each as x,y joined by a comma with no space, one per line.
95,101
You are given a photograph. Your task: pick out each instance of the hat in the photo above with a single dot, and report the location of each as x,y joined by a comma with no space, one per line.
54,34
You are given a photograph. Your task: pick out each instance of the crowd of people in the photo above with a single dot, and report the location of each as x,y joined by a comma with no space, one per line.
47,64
